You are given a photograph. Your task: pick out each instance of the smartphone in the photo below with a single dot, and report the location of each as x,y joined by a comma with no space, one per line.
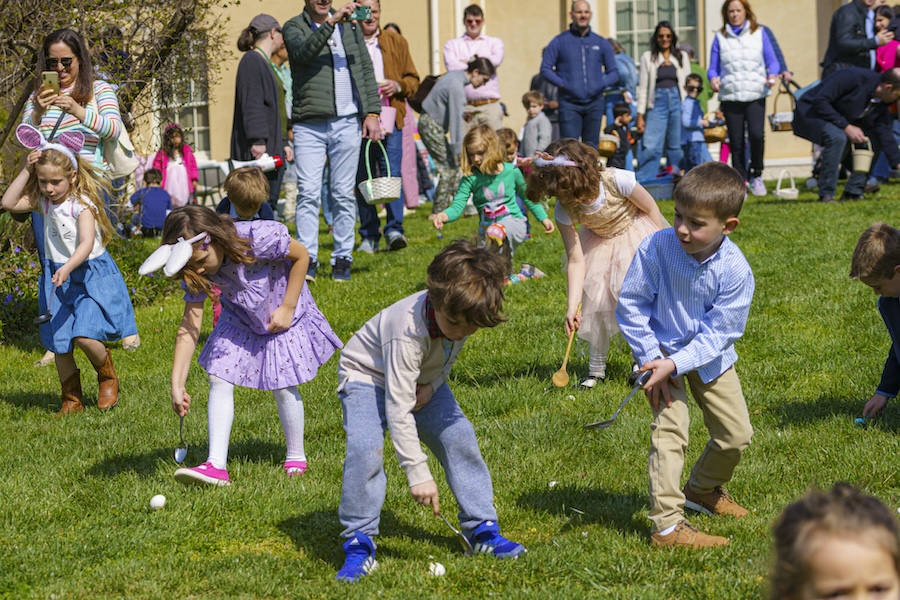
50,81
362,13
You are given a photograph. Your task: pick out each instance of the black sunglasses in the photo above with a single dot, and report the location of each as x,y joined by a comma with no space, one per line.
66,62
692,88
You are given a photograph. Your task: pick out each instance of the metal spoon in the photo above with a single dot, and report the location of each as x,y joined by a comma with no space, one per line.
45,317
462,539
641,380
181,450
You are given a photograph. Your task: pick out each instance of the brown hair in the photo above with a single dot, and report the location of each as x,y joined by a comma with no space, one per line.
486,137
570,185
508,141
481,64
843,511
247,188
877,252
712,186
467,281
750,16
89,188
187,221
153,177
532,97
84,83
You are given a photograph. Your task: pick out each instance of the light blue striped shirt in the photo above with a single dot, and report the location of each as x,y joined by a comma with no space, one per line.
343,88
694,312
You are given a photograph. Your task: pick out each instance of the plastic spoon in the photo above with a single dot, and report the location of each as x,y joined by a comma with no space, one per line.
181,449
642,379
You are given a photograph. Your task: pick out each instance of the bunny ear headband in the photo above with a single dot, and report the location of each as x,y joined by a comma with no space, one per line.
173,257
542,159
70,142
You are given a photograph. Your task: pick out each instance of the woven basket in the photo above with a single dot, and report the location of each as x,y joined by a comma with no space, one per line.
608,145
715,134
782,121
378,190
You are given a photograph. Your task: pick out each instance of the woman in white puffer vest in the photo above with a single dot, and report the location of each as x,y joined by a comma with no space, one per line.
742,68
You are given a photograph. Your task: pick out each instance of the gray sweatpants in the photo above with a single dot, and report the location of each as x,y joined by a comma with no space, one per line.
443,428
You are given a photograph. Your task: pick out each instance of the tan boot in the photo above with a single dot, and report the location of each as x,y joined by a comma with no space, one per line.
108,394
71,395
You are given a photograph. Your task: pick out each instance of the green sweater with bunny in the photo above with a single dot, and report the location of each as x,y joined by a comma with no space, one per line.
491,191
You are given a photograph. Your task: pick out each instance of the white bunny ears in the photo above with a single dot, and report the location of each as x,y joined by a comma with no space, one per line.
172,258
70,142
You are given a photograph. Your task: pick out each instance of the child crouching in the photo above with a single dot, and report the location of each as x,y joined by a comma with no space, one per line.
393,375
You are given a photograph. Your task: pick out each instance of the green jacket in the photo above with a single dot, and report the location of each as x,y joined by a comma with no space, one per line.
312,69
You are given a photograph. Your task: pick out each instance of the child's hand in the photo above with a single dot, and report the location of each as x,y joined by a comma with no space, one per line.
181,402
548,226
573,322
658,385
439,220
281,319
33,157
60,277
875,405
426,494
423,396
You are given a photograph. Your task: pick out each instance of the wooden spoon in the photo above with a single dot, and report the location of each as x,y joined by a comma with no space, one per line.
561,377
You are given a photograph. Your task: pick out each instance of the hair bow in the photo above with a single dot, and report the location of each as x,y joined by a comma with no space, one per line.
173,257
542,159
70,142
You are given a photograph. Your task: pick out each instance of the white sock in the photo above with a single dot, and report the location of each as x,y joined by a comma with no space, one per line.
290,411
597,366
220,413
668,530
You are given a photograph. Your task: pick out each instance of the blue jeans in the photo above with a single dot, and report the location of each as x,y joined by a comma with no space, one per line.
337,140
368,213
834,144
441,426
662,130
581,120
695,153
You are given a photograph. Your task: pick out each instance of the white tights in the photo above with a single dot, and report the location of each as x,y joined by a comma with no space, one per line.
221,417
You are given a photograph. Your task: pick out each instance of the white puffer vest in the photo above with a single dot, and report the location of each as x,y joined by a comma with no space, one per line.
742,66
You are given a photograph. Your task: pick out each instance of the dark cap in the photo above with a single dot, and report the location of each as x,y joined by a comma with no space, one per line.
264,22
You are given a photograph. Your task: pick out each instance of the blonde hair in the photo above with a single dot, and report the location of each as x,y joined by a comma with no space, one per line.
509,142
188,221
843,511
712,186
484,136
467,281
89,188
569,185
877,252
247,188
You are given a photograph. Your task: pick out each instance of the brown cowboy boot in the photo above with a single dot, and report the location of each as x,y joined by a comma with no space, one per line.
71,395
108,394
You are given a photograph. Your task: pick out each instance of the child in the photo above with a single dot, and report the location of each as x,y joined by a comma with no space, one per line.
246,195
620,128
509,144
538,131
693,143
493,184
876,262
81,286
152,203
179,167
683,305
271,335
836,544
616,213
393,374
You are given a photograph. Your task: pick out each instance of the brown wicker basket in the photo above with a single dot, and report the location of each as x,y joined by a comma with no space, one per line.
715,134
608,145
782,121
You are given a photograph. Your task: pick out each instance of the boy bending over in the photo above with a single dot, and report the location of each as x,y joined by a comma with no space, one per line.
683,305
392,374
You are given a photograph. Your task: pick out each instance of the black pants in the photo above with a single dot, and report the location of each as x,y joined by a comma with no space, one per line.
749,117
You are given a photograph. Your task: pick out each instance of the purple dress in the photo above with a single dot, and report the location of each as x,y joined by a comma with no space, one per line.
240,350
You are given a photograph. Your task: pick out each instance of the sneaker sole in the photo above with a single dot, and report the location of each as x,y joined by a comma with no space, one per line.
188,477
366,571
698,508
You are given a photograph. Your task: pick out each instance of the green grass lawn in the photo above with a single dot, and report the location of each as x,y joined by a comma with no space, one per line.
75,520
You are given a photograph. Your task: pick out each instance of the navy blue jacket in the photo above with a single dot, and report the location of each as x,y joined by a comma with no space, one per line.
843,98
890,376
848,44
580,66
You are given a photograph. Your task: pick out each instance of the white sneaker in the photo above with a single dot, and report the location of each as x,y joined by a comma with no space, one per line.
757,187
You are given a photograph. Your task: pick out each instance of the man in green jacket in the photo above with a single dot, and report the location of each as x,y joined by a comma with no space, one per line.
335,105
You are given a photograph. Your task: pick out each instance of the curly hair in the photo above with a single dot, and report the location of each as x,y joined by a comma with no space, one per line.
569,185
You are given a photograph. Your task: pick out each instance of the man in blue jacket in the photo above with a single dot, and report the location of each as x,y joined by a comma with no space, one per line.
581,64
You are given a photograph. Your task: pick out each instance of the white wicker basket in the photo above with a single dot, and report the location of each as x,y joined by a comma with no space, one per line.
378,190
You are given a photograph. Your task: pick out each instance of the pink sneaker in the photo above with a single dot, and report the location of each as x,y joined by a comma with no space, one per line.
295,468
202,474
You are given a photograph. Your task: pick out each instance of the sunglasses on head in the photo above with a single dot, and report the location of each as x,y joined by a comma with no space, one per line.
66,62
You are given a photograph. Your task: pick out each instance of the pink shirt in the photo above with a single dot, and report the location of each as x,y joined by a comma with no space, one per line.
377,58
457,53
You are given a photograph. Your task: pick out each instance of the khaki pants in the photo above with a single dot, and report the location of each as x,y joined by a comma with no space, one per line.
488,114
728,422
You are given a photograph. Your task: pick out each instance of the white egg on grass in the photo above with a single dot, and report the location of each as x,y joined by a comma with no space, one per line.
157,502
437,569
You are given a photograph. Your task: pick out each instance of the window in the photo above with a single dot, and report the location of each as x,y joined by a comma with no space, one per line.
636,20
190,109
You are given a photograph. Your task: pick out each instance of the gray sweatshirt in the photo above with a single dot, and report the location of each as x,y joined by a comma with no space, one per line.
536,135
445,104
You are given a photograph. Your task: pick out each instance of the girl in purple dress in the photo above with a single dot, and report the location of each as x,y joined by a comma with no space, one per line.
271,335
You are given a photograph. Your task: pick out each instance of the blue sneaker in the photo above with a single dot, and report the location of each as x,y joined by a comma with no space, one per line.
340,271
360,561
487,539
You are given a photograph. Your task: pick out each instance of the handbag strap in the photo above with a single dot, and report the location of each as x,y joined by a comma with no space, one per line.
62,115
369,164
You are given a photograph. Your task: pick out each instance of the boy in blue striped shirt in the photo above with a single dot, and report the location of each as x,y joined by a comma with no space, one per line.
683,305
